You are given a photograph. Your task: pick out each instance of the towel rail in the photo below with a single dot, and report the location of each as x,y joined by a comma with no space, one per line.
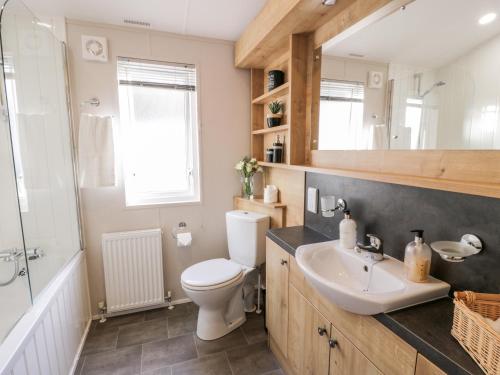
92,101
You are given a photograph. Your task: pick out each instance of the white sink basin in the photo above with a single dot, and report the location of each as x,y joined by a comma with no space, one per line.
357,284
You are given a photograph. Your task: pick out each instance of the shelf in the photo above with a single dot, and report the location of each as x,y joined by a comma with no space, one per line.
260,202
274,129
273,94
276,165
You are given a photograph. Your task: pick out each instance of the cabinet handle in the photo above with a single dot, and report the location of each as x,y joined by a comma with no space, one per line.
283,262
321,331
333,343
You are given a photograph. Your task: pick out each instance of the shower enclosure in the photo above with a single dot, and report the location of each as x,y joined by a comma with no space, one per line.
39,218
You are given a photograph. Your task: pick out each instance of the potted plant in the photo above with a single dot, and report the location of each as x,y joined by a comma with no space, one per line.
247,168
275,115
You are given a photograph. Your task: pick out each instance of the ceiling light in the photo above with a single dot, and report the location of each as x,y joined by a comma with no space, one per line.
328,2
487,18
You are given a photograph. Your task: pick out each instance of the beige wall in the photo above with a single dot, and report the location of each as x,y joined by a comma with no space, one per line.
224,117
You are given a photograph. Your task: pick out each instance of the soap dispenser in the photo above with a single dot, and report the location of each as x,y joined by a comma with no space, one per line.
347,231
418,258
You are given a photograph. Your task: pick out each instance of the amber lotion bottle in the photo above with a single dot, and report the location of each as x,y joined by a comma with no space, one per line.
418,258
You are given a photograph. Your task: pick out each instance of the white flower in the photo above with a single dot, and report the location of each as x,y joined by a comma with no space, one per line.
249,168
253,161
239,166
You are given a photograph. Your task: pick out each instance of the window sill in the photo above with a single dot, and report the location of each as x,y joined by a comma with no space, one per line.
162,205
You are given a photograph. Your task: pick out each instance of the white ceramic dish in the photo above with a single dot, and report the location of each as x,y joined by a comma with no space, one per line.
453,251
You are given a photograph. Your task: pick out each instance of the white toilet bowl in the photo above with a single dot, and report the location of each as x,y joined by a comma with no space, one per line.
216,287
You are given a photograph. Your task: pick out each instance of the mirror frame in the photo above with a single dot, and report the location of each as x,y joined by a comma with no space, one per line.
465,171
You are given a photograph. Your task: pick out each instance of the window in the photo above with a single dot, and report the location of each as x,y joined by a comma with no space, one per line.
158,111
14,114
413,120
341,115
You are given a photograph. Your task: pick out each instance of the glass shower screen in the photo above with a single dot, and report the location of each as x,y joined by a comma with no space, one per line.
39,136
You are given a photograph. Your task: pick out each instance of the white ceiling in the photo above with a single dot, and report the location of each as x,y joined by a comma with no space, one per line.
429,33
221,19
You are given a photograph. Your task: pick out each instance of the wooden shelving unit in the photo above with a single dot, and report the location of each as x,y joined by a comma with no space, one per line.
274,129
293,62
273,94
260,202
276,211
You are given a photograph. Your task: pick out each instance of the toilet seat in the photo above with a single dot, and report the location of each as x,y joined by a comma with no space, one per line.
212,274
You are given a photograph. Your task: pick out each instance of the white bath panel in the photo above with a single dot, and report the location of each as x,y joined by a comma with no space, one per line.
49,337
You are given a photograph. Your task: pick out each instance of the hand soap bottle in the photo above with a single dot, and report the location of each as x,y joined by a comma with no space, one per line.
347,231
418,258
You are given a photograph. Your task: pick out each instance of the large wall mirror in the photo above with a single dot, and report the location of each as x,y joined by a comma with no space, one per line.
422,78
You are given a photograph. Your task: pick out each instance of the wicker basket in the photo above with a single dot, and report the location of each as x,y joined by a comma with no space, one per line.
475,335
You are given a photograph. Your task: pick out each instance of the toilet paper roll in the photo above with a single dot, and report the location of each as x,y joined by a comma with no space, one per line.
270,194
184,239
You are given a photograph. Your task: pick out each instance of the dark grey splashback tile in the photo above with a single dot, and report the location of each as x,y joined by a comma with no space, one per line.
391,211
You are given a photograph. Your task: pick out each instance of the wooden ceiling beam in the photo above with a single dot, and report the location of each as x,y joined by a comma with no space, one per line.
268,34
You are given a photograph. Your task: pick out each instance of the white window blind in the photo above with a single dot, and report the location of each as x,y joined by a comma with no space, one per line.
342,90
136,72
341,115
158,113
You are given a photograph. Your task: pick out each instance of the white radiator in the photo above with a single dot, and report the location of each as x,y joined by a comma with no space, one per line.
133,269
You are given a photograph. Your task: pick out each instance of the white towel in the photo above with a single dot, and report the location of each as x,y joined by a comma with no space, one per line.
96,157
379,137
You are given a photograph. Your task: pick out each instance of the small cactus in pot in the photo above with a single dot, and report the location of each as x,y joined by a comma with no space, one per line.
275,113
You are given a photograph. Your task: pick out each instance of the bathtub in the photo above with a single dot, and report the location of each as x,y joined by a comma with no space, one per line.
47,340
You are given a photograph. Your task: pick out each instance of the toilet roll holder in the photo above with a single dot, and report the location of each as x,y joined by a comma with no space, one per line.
181,228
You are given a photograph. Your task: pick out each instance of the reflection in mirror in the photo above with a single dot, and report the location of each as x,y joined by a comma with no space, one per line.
424,77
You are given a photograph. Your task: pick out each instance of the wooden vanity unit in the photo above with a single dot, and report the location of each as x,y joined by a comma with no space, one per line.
310,335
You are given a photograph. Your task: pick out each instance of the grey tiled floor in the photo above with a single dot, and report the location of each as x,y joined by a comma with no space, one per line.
163,342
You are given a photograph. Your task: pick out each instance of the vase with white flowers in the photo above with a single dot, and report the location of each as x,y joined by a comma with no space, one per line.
247,168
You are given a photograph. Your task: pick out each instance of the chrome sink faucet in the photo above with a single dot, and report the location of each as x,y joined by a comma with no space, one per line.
375,249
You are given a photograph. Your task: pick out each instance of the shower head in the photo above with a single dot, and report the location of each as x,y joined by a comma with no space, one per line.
436,84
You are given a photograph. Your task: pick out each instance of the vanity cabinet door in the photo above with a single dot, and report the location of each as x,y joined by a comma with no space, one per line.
308,334
277,268
346,359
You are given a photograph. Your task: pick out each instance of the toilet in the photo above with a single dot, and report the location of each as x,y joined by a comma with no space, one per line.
216,285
